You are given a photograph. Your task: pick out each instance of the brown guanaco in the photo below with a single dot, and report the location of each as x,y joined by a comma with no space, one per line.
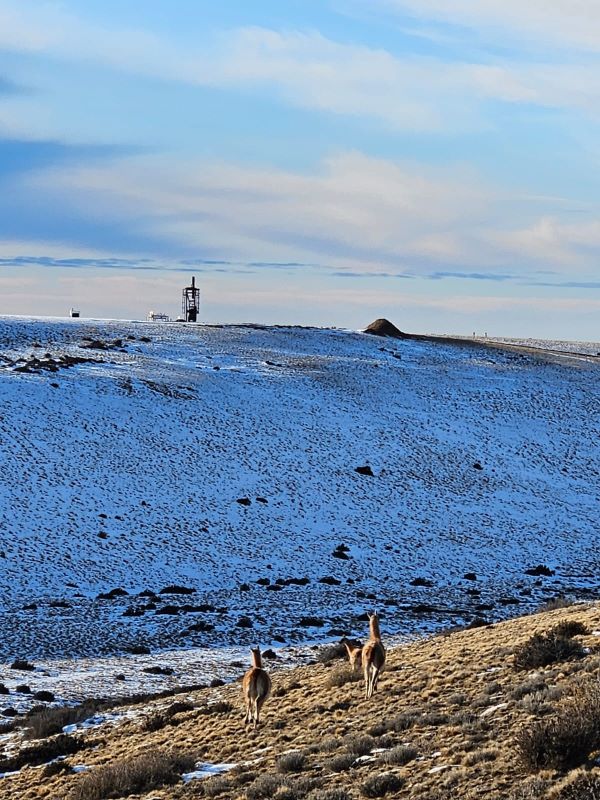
373,656
256,686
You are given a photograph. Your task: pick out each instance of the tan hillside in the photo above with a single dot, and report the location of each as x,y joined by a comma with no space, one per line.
445,722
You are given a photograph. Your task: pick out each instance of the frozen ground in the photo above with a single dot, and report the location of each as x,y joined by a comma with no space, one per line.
126,448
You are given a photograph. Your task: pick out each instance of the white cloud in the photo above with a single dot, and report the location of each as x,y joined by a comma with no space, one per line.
352,209
353,213
310,71
574,23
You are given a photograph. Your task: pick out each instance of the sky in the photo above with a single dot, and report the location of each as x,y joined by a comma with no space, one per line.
319,162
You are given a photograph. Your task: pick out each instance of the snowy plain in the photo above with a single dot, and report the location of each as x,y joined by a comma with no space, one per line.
142,457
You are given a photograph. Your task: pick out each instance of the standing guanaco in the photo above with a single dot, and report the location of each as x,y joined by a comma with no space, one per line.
373,656
354,650
256,686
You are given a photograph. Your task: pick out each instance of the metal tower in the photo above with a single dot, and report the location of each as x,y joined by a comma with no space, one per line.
190,303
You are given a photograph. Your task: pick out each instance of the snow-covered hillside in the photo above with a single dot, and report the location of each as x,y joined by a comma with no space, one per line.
140,456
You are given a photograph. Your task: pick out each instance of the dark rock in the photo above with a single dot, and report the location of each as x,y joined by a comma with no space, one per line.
216,682
477,622
470,576
200,627
244,622
44,696
329,581
263,581
541,569
509,601
383,327
422,608
147,593
120,677
158,670
244,501
244,587
275,587
311,622
4,689
30,607
22,664
114,593
177,590
366,470
59,604
23,688
169,610
133,611
139,650
262,500
421,582
270,655
10,712
341,554
477,465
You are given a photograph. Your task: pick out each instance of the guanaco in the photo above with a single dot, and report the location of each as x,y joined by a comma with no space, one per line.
354,650
256,686
373,656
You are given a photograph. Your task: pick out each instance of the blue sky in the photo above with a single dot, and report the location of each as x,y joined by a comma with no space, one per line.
433,161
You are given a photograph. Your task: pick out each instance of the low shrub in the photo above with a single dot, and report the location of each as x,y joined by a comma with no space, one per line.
265,786
401,754
340,763
332,652
342,675
547,648
137,775
555,603
582,786
220,707
42,753
380,785
571,627
218,784
480,756
566,739
530,789
329,744
155,722
291,762
329,794
401,722
527,687
359,745
49,721
297,789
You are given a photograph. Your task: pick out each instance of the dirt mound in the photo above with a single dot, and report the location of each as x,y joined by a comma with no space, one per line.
383,327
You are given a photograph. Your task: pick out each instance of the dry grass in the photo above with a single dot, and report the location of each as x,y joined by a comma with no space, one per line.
452,718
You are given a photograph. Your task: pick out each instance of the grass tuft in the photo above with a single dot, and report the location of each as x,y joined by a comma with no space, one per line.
137,775
381,785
